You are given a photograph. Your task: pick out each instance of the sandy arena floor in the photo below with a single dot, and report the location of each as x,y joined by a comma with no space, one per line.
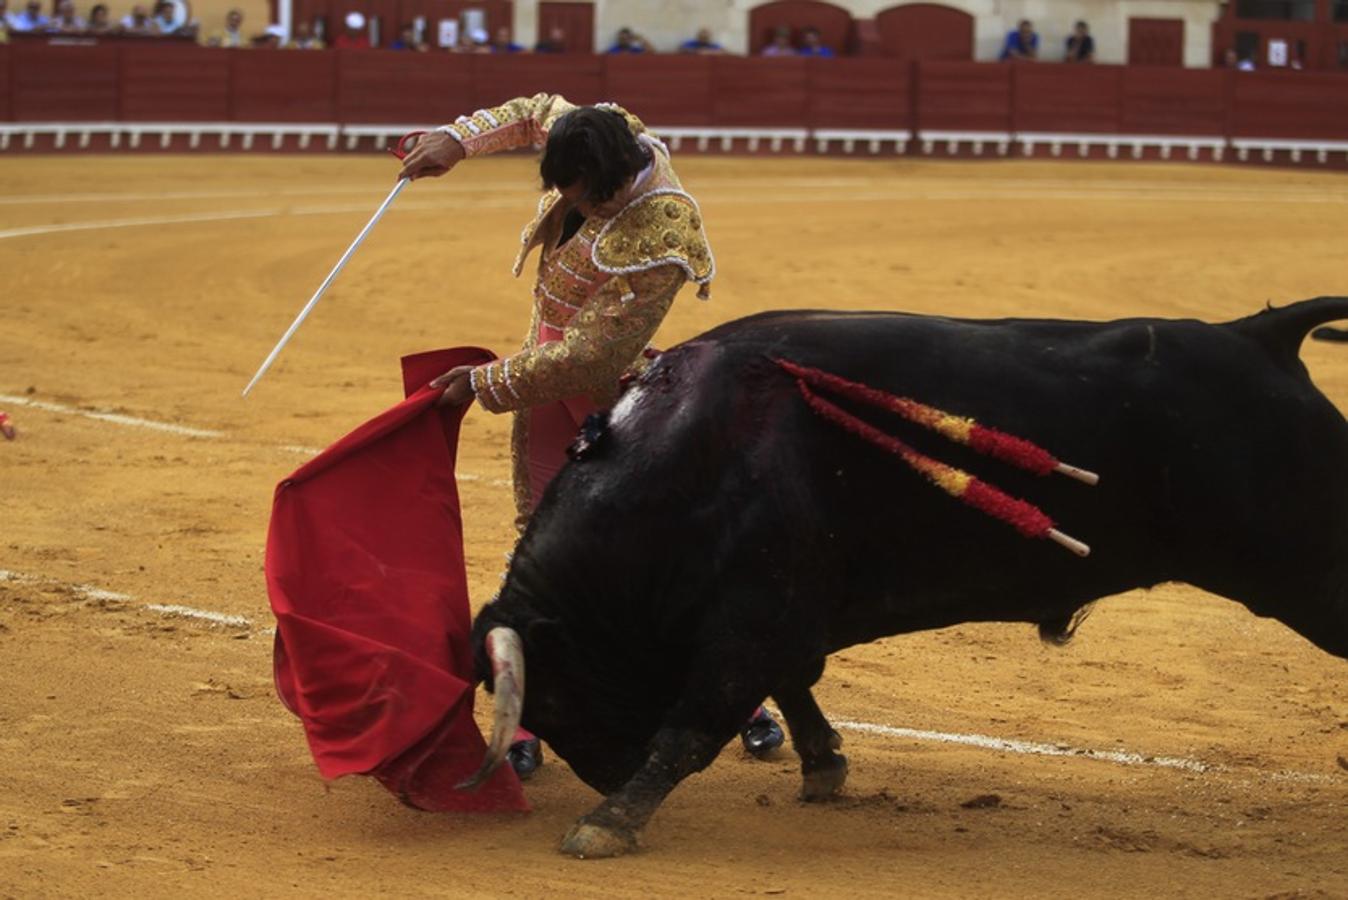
145,753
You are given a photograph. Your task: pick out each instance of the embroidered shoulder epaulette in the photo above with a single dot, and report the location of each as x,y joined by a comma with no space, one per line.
661,227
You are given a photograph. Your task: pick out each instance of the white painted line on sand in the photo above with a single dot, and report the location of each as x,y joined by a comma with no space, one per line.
981,741
185,431
114,418
206,615
89,592
131,223
709,197
1032,748
235,214
374,191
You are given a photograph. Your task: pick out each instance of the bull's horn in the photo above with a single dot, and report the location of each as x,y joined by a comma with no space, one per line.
507,672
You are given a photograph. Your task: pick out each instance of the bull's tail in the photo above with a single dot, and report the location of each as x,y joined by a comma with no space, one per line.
1282,329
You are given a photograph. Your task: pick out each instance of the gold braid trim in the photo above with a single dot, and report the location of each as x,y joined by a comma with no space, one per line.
661,227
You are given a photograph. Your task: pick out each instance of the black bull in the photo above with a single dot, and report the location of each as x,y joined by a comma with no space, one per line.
718,540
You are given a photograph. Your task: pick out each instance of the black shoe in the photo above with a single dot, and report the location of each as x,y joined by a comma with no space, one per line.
762,735
525,757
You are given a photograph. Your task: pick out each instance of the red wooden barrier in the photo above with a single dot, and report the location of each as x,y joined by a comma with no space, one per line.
5,54
403,88
166,82
758,92
959,96
859,93
1289,105
173,83
283,85
1173,101
55,84
1075,99
500,77
662,90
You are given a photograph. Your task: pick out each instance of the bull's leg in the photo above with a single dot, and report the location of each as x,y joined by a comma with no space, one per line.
611,828
714,703
823,770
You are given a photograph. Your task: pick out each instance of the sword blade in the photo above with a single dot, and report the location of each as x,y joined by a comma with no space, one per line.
308,307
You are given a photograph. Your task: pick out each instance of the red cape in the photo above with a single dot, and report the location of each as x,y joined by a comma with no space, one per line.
366,577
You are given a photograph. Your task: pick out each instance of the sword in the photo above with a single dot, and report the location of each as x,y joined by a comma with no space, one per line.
308,307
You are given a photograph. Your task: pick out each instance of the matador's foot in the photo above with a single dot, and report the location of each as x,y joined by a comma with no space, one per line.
589,841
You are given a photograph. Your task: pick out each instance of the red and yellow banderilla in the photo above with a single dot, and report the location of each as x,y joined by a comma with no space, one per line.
1026,518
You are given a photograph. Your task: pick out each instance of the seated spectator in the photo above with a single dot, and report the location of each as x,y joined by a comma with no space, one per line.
702,44
1231,59
271,38
232,36
165,19
503,43
780,45
555,43
99,20
407,40
355,36
1080,45
65,20
630,42
304,38
31,19
472,41
1023,43
4,27
812,43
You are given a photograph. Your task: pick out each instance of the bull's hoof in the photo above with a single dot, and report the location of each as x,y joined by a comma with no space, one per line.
825,782
586,841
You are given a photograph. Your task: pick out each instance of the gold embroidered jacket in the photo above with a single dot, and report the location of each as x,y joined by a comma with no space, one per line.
606,289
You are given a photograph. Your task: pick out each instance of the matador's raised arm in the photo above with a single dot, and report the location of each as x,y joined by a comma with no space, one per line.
522,122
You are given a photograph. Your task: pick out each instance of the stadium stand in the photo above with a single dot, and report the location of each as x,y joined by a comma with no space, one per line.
895,95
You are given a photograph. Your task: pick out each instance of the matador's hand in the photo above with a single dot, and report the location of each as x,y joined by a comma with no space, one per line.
435,154
458,386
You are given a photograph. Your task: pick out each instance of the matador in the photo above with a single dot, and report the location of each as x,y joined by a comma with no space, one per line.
618,236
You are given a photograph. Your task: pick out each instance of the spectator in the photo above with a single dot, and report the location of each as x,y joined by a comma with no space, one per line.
65,20
4,35
812,43
555,43
702,44
99,21
407,40
780,45
472,41
165,19
1231,59
304,38
354,37
31,19
503,43
233,34
1022,43
630,42
1080,45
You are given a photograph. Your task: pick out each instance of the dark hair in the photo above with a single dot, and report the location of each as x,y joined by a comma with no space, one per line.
593,146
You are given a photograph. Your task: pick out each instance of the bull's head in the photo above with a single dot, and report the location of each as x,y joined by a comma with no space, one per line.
599,722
